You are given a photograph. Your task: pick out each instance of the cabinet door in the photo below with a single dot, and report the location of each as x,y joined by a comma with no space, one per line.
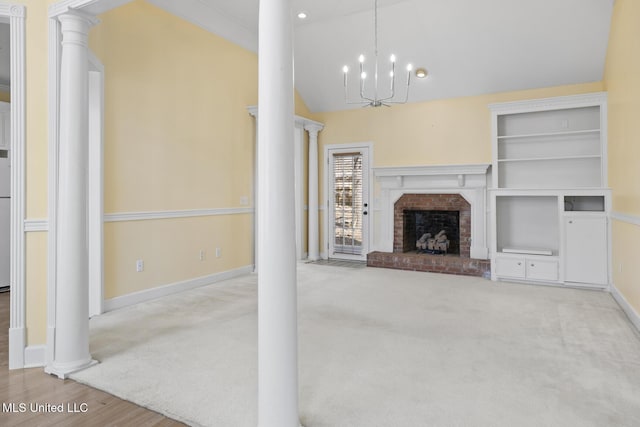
542,270
510,267
586,249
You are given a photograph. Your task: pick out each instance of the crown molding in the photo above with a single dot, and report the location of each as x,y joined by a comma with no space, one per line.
12,10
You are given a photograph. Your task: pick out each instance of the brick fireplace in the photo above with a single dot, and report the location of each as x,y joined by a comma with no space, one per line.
422,199
436,206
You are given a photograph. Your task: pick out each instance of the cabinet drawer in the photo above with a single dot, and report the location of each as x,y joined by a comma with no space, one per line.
542,270
510,267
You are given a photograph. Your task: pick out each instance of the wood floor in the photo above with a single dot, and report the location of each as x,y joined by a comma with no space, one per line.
33,386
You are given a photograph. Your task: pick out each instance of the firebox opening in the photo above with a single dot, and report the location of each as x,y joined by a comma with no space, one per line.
417,223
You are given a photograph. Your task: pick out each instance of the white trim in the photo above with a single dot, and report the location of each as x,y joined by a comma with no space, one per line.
55,38
190,213
629,219
465,169
631,313
93,7
298,181
34,225
173,288
17,322
555,103
35,356
95,183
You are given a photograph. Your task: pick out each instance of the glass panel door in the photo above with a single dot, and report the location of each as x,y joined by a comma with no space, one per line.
348,204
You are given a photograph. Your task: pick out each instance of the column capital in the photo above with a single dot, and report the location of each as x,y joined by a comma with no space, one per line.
313,127
76,22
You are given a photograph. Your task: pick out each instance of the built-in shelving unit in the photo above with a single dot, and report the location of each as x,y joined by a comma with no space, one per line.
549,189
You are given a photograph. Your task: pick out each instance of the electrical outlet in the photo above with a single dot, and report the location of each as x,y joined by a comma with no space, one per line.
139,266
218,252
202,254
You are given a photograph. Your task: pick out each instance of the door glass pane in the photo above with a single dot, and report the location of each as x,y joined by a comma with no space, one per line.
347,203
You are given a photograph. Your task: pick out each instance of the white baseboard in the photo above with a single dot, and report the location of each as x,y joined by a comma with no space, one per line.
631,313
173,288
17,343
35,356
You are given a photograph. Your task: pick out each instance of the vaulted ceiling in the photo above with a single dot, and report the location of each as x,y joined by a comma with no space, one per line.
469,47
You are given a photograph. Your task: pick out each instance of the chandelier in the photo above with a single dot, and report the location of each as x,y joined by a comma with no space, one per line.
377,99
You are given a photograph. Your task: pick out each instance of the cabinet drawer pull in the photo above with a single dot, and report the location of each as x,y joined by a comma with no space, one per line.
519,263
533,265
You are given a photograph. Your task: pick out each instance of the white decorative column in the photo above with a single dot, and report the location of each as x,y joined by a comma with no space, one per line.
17,312
314,230
277,297
71,351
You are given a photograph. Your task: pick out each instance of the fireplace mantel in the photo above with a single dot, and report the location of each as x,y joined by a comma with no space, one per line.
470,181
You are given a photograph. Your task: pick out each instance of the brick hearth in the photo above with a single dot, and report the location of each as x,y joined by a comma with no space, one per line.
450,264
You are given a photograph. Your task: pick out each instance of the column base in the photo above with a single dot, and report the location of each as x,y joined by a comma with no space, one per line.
63,371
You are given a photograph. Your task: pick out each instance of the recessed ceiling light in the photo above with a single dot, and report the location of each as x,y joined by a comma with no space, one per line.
302,15
421,73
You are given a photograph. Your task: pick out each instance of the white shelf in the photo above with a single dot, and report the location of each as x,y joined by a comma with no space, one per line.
533,159
502,138
527,251
550,175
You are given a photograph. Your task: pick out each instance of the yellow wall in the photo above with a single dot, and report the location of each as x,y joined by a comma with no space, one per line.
36,289
5,97
622,82
448,131
171,250
177,137
177,132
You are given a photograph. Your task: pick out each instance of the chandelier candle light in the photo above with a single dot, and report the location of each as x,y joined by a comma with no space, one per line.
376,101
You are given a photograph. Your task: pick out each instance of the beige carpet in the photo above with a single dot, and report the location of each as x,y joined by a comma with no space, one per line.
382,348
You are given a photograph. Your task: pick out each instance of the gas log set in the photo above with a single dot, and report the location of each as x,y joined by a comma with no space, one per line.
438,244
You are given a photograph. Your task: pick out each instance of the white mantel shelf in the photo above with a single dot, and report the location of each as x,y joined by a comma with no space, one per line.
468,169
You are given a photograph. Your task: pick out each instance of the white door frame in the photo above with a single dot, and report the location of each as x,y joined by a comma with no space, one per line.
367,149
15,15
96,186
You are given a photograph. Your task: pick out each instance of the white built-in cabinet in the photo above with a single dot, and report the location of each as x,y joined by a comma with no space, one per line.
549,200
